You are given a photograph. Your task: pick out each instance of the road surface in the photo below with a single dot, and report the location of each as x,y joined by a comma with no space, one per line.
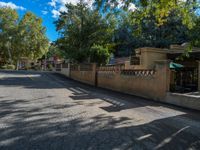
45,111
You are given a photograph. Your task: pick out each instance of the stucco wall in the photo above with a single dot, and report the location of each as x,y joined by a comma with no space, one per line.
151,83
152,86
84,76
147,56
184,100
65,69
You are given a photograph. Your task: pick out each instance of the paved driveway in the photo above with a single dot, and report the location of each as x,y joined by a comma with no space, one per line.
43,111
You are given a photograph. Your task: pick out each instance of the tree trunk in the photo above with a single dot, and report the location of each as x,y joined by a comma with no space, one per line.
17,64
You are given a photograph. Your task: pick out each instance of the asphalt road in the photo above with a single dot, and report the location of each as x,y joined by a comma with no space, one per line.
44,111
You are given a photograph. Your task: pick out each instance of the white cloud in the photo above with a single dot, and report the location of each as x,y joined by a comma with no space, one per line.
53,3
11,5
120,4
63,2
63,8
44,12
132,7
55,13
59,5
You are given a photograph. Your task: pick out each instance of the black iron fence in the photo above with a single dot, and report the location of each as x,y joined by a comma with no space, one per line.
143,72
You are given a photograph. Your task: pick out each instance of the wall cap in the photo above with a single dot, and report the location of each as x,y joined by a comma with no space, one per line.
152,49
163,61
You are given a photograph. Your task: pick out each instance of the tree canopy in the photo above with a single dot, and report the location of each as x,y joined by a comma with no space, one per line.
81,28
8,28
121,26
23,37
160,9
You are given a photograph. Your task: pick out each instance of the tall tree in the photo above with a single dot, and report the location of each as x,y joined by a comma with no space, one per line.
82,28
8,29
21,37
161,8
34,42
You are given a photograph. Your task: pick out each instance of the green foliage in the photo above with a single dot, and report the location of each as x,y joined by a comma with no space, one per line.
49,67
53,51
36,67
160,9
99,54
23,37
140,28
194,33
8,28
32,36
81,28
8,66
113,25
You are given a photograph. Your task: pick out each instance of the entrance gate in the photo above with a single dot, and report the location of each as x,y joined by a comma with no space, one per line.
184,80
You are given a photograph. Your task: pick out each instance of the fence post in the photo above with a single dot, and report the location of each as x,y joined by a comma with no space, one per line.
79,67
163,77
198,75
69,70
95,74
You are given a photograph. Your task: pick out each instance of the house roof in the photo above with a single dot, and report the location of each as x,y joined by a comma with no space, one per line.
173,52
174,49
178,49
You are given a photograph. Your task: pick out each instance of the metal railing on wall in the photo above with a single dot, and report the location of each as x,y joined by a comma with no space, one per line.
86,67
65,65
58,67
74,67
142,72
113,68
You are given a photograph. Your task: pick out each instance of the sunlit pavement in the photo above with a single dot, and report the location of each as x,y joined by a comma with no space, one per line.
44,111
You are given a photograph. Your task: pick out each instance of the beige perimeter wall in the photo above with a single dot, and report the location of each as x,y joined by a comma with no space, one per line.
152,86
84,76
138,82
65,71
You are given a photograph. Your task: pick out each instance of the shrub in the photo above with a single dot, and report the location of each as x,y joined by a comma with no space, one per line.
50,67
11,67
99,54
36,67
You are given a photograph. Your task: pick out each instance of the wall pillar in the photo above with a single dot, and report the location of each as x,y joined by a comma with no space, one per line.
61,66
198,75
162,77
94,74
69,68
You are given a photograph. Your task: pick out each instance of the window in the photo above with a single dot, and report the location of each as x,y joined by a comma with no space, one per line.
135,60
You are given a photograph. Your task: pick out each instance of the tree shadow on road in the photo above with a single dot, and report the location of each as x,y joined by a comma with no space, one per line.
56,126
48,128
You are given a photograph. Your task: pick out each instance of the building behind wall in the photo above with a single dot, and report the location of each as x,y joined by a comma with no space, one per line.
184,70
